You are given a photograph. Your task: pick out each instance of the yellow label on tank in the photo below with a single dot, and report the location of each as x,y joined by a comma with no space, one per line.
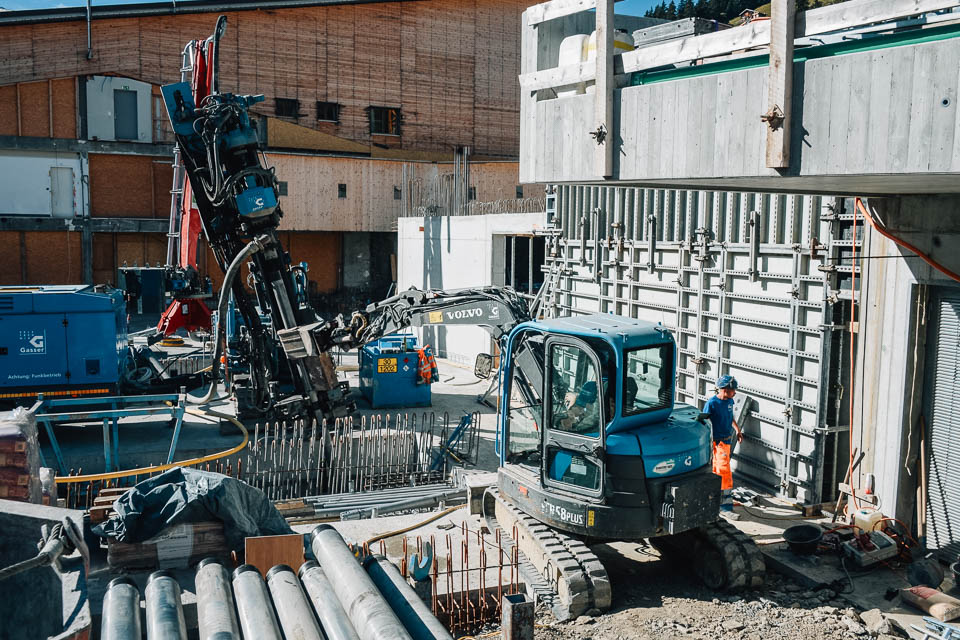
387,365
435,317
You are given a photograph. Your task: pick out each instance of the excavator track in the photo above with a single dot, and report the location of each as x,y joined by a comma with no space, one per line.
560,570
721,555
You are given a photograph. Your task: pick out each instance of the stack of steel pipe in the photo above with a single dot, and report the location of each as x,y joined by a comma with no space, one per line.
333,599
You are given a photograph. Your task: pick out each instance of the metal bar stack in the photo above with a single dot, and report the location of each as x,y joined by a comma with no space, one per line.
292,460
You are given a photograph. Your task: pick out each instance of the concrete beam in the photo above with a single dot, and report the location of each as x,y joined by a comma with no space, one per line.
604,90
931,223
95,225
28,143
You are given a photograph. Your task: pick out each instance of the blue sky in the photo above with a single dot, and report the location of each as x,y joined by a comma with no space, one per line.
628,7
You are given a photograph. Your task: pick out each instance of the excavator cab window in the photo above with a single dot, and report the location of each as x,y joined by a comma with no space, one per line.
576,391
648,383
526,405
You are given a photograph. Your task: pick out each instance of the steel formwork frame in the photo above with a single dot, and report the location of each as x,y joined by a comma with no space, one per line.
750,284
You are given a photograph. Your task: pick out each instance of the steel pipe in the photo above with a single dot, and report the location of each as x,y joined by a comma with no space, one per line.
164,611
257,619
333,618
293,608
215,615
121,611
369,612
412,611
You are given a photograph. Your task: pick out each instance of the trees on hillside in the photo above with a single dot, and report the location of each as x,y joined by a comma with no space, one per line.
722,10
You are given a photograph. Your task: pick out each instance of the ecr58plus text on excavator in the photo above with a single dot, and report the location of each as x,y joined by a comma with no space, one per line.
591,444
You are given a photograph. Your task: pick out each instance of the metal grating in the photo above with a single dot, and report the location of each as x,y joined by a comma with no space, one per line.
751,284
943,463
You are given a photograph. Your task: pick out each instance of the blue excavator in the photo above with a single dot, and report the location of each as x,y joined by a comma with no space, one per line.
592,446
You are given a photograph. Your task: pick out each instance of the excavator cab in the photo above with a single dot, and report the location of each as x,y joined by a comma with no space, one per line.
590,440
593,446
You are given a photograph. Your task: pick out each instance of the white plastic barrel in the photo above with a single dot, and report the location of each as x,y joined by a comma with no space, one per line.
622,41
572,49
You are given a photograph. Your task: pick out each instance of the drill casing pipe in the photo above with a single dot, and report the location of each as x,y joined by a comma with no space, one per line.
165,619
333,618
257,619
413,613
215,615
369,612
121,611
293,608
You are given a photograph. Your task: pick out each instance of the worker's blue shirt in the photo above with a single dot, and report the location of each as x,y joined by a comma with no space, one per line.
721,416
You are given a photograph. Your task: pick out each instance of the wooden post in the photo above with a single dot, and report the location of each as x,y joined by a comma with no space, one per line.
604,90
780,83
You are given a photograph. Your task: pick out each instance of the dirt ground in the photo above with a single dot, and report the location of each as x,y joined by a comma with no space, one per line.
659,599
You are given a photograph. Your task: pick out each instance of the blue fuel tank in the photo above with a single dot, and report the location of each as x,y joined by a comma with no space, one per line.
61,340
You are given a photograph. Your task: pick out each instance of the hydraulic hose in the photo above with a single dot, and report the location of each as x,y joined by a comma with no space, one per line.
254,246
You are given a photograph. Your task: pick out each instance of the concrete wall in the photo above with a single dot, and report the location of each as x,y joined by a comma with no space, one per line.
32,604
893,326
26,180
878,121
454,253
100,115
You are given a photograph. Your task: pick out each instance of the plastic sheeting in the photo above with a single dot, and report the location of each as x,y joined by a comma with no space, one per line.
182,495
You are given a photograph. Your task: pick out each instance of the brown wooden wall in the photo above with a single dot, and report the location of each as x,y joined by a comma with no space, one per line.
45,109
124,186
312,202
451,65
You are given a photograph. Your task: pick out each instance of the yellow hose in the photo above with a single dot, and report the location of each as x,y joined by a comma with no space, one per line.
390,534
208,414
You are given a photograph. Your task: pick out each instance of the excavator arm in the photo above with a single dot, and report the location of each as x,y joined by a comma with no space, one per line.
498,309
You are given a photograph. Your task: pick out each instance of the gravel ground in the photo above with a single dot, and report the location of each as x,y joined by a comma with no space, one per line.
657,599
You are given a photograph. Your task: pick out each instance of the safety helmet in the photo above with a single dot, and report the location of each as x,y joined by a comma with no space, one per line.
727,382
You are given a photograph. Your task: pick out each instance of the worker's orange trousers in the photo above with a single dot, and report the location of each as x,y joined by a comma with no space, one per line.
721,464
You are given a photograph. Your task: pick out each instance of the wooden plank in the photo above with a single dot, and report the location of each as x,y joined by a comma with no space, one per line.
556,9
266,552
780,83
603,110
845,15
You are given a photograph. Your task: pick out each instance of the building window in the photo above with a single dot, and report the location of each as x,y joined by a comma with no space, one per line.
282,188
328,111
397,193
385,120
288,107
341,190
125,114
519,192
472,193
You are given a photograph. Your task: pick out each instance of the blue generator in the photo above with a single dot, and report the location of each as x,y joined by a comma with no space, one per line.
388,373
60,340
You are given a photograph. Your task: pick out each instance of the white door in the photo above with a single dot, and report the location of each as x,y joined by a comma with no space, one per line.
61,192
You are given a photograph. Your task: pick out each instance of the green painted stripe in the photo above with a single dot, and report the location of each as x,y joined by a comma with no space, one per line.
901,39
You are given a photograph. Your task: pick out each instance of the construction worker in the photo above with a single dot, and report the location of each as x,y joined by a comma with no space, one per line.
726,432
